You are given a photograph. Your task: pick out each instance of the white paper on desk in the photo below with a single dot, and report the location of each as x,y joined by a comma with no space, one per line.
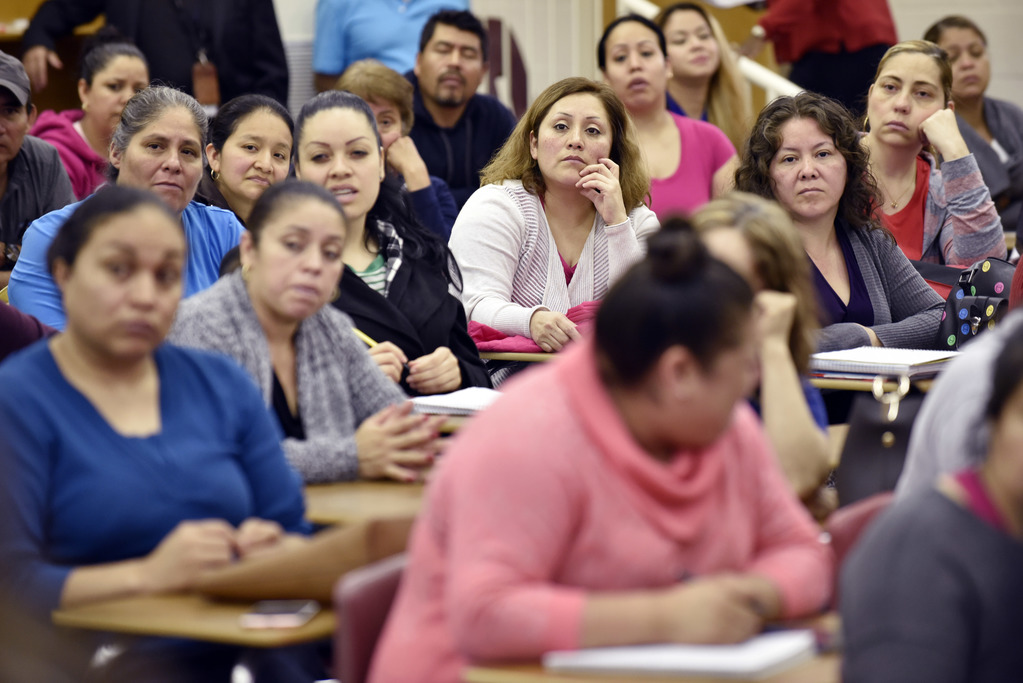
763,655
462,402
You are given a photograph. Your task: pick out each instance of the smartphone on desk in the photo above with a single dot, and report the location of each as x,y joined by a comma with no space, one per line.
279,614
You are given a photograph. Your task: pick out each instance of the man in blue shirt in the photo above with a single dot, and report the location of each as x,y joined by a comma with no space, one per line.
384,30
456,129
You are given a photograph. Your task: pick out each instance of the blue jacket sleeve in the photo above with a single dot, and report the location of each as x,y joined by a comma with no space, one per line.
32,289
435,207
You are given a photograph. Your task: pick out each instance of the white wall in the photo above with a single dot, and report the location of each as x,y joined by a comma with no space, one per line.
1001,20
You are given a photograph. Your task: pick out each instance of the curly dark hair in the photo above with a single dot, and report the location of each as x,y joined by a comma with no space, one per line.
860,199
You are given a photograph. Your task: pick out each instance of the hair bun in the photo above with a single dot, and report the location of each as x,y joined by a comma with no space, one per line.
675,253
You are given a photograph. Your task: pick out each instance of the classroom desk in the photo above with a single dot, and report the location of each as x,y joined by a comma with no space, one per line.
361,501
821,669
923,385
516,356
189,616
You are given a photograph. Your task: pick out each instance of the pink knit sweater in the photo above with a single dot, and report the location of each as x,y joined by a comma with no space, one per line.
84,167
546,497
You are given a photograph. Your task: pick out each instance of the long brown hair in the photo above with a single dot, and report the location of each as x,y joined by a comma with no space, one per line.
728,103
778,259
514,162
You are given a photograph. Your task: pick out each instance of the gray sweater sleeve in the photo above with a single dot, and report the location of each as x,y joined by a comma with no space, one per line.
339,386
907,311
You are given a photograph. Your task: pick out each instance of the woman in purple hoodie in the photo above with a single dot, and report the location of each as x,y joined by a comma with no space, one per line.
112,70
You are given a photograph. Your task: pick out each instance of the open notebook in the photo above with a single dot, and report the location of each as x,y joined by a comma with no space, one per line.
880,360
462,402
763,655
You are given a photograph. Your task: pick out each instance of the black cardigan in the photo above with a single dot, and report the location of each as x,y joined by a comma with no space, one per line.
418,316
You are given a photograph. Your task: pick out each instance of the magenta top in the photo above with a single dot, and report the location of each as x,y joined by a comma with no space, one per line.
569,270
978,501
705,149
84,167
546,497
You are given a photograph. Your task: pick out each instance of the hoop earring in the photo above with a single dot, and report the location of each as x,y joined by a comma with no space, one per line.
335,294
866,124
246,268
214,175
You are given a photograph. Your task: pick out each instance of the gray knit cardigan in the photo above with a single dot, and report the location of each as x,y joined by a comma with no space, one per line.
339,385
907,311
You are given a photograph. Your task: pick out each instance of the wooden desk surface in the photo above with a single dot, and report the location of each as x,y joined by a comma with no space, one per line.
192,617
821,669
511,355
923,385
361,501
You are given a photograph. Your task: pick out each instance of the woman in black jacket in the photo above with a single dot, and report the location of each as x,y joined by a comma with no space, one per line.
397,276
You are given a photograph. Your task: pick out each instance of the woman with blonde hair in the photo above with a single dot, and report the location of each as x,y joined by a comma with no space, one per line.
756,237
389,95
937,214
559,216
706,82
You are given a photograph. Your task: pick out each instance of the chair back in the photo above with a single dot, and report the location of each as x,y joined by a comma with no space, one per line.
846,525
362,600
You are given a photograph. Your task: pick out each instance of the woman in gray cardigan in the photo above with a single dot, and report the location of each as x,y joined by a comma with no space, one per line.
805,153
341,417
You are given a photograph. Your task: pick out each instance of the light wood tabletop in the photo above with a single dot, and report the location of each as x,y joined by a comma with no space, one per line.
821,669
518,356
361,501
867,384
192,617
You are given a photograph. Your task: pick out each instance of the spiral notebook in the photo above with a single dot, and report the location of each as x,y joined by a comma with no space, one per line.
760,656
880,360
462,402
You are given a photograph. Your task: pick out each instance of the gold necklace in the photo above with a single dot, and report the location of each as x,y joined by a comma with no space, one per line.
894,203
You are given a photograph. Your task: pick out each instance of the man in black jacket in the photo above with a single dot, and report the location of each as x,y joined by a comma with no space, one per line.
240,38
456,130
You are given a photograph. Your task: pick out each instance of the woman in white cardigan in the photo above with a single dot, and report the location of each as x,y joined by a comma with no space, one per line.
559,217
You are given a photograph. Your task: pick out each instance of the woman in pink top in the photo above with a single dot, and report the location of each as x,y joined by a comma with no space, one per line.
112,70
690,161
638,502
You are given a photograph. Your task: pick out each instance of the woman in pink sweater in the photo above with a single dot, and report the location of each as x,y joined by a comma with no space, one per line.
112,70
638,502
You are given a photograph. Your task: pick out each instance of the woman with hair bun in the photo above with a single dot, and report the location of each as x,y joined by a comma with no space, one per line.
648,506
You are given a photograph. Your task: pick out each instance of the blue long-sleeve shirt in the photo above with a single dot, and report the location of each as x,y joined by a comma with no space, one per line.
74,492
209,231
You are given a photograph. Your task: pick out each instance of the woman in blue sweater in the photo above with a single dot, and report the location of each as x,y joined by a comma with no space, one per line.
131,467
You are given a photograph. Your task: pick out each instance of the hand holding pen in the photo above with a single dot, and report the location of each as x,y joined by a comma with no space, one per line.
391,359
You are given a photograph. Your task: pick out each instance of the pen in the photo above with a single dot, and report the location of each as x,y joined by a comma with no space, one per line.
370,342
366,339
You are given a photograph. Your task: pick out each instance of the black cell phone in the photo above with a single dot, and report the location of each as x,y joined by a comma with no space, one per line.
279,614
